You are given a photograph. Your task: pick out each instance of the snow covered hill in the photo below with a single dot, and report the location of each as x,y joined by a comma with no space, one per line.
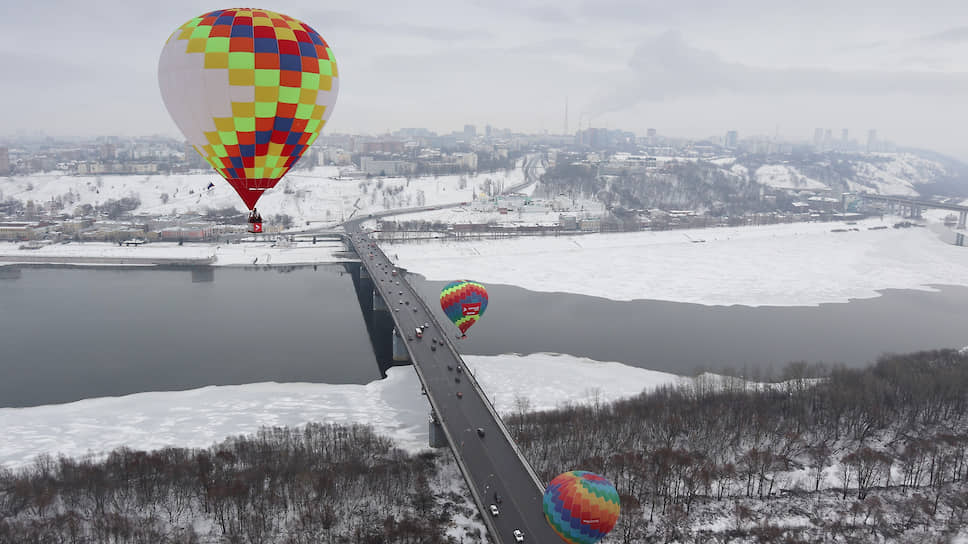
882,173
317,195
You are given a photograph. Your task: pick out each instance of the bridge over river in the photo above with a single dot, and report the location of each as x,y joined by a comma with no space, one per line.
491,463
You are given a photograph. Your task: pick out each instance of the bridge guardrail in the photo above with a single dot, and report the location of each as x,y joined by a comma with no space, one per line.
483,394
482,508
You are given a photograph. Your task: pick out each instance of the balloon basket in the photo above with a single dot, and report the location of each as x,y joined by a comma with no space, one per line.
255,228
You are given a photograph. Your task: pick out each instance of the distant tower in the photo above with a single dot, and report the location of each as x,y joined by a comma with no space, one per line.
872,140
732,138
470,131
566,116
652,136
818,138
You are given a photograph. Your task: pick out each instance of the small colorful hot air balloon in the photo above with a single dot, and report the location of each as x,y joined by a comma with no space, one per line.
582,507
250,89
464,302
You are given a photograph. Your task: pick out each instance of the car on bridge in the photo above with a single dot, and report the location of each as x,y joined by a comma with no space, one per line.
518,535
480,431
494,511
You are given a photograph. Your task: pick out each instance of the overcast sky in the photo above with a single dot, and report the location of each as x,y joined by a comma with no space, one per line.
686,68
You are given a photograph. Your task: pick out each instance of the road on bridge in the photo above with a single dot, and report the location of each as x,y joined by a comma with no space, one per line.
491,464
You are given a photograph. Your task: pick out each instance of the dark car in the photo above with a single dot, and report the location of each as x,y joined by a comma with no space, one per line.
480,431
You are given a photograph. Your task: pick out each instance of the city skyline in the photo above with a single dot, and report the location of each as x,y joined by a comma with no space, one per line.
694,69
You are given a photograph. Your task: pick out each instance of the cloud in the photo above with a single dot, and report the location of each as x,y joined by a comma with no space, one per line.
548,13
667,68
951,35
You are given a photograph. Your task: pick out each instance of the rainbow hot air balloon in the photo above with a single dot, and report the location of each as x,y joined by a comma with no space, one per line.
464,302
250,89
581,507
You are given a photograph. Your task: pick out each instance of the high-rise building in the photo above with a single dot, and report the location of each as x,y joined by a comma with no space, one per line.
818,138
470,131
732,139
4,162
108,151
843,137
652,136
872,140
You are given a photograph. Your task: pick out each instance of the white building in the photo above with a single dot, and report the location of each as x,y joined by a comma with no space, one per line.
386,168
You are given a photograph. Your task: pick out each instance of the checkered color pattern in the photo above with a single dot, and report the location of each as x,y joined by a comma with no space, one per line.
582,507
251,89
463,302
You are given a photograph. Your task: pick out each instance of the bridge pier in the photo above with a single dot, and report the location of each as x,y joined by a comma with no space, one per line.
378,303
438,439
916,212
961,219
9,272
960,239
400,353
203,274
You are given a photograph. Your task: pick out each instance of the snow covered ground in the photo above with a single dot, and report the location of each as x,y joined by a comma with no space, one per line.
799,264
218,254
394,406
319,196
781,176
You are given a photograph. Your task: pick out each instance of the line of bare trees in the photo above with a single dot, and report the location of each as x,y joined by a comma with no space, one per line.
898,426
876,454
318,484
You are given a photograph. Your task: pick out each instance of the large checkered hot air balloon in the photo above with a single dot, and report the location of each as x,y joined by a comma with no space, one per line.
464,302
250,89
582,507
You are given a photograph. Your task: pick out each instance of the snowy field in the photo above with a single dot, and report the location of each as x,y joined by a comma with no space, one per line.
799,264
257,253
319,196
394,406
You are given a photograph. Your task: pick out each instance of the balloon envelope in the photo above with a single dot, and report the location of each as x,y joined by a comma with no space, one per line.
250,89
463,302
582,507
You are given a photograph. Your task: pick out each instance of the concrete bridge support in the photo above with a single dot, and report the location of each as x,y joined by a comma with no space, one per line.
961,219
400,353
378,303
437,437
9,272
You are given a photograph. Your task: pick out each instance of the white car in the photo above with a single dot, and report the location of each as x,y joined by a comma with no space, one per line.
494,510
518,535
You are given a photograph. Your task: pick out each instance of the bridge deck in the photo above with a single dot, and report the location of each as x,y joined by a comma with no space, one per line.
491,464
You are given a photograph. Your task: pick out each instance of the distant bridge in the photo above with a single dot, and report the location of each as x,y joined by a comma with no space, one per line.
914,207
